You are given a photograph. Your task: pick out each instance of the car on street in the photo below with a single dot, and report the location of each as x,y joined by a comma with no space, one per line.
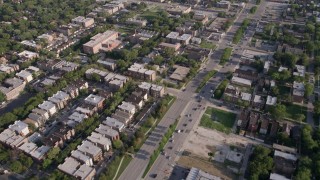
184,124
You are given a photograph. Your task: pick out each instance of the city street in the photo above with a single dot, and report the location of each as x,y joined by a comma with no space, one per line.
184,105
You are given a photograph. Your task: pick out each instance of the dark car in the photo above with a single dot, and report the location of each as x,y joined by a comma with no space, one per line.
153,175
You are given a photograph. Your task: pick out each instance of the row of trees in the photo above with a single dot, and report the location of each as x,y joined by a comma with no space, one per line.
309,162
260,164
39,17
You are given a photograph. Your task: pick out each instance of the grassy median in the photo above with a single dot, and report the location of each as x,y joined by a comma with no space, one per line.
205,80
163,142
225,56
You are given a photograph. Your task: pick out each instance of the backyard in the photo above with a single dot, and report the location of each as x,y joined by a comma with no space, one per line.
220,120
293,110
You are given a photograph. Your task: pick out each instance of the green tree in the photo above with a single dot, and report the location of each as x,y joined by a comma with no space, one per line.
53,153
16,167
278,111
300,117
308,89
117,144
2,97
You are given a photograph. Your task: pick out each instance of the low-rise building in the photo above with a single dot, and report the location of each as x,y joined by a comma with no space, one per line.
106,41
114,124
11,139
40,152
110,64
91,71
156,91
299,71
271,101
298,92
258,102
28,147
179,10
108,132
49,107
223,4
179,73
91,150
174,46
26,56
25,75
9,68
78,155
95,100
85,172
137,22
127,107
69,166
12,88
20,128
174,37
138,71
241,81
99,140
85,22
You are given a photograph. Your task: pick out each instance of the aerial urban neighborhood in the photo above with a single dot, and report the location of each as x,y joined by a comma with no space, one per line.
159,89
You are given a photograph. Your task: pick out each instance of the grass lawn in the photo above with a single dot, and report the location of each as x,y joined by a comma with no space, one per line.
207,45
223,121
293,110
124,165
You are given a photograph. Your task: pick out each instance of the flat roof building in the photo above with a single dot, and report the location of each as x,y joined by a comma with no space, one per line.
108,132
20,128
241,81
91,150
98,41
78,155
114,124
99,140
69,166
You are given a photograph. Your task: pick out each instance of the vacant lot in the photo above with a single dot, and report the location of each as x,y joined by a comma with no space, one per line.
293,110
218,119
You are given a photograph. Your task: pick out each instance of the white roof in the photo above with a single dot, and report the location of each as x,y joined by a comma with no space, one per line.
271,100
298,86
275,176
94,99
6,134
145,85
197,174
99,139
18,126
78,117
80,156
106,130
281,68
111,122
241,80
40,152
28,147
301,70
84,171
285,155
257,99
24,74
69,166
89,148
46,105
246,96
172,35
127,106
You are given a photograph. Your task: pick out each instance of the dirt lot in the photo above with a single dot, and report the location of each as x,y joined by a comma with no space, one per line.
201,141
204,164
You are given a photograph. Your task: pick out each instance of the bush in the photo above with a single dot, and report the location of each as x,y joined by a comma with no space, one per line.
219,91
